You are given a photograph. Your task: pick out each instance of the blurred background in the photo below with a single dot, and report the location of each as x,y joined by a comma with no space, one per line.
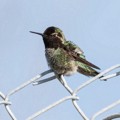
91,24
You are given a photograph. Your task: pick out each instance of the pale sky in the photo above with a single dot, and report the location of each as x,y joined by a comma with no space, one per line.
91,24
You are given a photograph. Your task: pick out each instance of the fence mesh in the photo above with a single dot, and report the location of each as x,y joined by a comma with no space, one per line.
5,99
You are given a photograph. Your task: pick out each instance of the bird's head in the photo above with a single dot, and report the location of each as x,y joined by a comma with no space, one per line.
52,36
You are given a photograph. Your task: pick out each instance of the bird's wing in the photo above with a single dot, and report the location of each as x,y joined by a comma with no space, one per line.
77,53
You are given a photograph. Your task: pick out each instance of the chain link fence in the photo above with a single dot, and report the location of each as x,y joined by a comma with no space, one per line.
5,99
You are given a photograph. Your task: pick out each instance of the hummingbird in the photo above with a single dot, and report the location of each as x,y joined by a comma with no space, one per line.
63,56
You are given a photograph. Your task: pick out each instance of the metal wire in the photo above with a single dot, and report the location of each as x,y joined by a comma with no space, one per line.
73,95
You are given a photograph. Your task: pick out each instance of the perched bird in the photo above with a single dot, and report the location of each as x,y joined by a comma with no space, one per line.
64,57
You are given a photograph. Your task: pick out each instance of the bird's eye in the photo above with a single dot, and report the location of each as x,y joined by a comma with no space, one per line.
52,31
59,34
49,31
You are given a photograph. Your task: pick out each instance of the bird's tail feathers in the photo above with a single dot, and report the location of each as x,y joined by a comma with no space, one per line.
88,71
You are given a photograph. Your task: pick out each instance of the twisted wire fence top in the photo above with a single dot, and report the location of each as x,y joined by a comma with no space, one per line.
74,97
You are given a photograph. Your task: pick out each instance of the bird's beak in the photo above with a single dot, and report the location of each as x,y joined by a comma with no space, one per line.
37,33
